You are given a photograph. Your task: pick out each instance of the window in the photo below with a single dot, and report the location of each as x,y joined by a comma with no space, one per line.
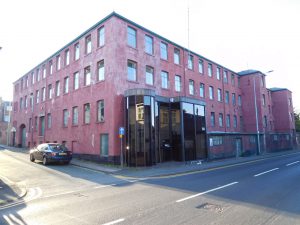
177,83
212,119
211,92
219,95
234,121
101,36
228,121
77,51
32,78
265,121
50,91
191,87
163,51
58,62
87,113
66,85
27,82
43,94
262,81
38,75
131,70
75,115
218,73
232,79
76,80
101,70
50,67
29,126
87,76
37,96
26,101
164,79
49,120
57,88
290,101
225,78
190,62
148,44
21,103
149,75
263,100
227,97
202,90
210,70
67,57
200,65
104,144
100,111
65,117
220,119
44,71
36,123
88,44
240,100
176,56
233,99
131,37
217,140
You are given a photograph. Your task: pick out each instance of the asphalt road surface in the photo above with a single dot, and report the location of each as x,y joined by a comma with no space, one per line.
263,192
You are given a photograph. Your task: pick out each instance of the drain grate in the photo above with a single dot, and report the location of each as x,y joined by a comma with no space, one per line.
211,207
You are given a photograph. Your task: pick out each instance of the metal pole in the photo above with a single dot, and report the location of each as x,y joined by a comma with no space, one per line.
121,158
256,116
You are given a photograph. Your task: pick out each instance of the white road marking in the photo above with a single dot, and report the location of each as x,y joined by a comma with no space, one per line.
104,186
114,222
8,220
205,192
292,163
268,171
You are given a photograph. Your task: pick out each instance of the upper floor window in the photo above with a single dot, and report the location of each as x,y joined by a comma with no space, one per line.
234,121
26,101
220,119
57,88
227,120
263,100
44,71
88,44
211,92
66,85
65,117
32,78
131,70
87,76
50,67
218,73
212,119
77,51
67,57
76,80
176,56
233,99
43,94
265,121
240,100
149,75
38,75
200,66
58,62
149,44
101,36
202,90
227,97
87,113
219,95
27,81
191,62
225,77
75,115
100,111
163,51
191,87
37,96
101,71
50,91
49,120
290,102
164,79
210,70
263,81
131,37
232,79
177,83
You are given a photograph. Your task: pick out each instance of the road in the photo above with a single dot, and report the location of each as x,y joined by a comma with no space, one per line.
262,192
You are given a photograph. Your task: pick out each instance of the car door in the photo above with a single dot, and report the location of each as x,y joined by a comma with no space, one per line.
40,152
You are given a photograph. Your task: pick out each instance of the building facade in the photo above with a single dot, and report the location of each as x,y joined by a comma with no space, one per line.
174,104
5,115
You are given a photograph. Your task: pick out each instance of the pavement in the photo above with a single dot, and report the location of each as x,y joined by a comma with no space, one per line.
11,191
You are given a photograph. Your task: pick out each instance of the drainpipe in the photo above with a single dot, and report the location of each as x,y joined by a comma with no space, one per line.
256,116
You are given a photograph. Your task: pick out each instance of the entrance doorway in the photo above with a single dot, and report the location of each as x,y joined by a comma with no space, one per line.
238,147
22,139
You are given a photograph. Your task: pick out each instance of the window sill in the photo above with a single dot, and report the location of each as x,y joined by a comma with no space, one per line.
99,81
100,47
133,81
165,89
131,47
100,122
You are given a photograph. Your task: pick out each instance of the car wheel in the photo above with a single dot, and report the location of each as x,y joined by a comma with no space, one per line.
32,159
45,161
67,163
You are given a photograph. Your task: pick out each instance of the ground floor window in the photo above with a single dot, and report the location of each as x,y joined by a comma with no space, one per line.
104,144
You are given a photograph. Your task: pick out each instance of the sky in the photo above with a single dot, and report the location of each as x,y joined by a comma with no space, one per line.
238,34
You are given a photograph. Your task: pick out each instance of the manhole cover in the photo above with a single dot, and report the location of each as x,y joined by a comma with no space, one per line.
211,207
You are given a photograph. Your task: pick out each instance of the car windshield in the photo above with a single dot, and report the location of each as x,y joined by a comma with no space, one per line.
57,147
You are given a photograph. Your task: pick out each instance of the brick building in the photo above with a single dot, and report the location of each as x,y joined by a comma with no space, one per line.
173,103
5,113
